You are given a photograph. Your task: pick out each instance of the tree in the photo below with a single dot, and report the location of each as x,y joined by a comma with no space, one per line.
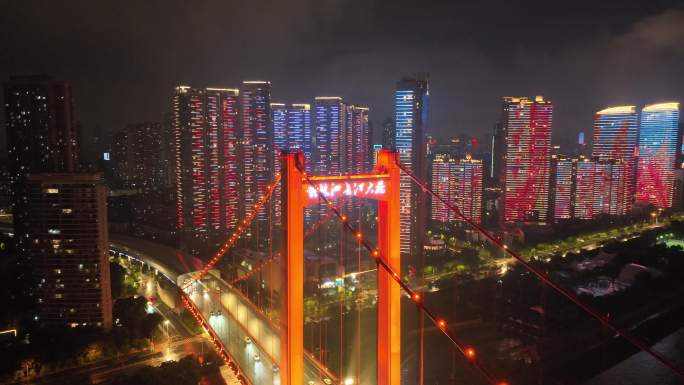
184,372
117,275
428,270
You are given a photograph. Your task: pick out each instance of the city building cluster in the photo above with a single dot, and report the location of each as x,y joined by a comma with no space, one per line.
212,157
633,161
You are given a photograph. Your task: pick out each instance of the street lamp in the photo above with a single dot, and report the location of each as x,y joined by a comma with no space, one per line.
166,329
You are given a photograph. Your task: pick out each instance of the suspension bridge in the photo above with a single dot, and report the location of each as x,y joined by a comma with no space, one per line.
265,344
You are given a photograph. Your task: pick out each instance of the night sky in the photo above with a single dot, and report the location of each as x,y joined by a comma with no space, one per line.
123,58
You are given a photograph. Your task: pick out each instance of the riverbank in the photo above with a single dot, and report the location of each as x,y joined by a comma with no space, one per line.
601,357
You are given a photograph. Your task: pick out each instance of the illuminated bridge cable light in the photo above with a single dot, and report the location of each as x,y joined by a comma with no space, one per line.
236,235
218,345
439,323
312,229
548,282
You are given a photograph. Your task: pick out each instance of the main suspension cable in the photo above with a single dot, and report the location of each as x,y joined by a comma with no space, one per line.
312,229
242,227
545,278
441,324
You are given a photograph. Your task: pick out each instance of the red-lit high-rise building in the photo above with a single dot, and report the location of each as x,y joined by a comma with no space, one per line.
357,140
586,187
586,179
459,182
469,174
256,138
564,172
527,161
443,183
204,134
658,138
615,139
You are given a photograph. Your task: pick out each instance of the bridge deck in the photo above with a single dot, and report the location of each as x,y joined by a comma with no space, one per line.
244,330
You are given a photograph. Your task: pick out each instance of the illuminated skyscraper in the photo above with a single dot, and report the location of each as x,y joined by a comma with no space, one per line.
257,143
658,136
615,138
527,163
585,182
299,133
612,197
223,124
187,128
459,182
279,122
204,132
469,174
411,118
587,187
329,155
357,141
564,189
443,183
291,131
280,143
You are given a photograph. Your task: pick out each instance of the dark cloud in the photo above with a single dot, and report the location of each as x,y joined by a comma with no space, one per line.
124,57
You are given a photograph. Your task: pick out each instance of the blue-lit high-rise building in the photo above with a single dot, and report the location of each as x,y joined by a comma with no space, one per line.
410,119
299,134
291,131
328,152
615,139
658,137
291,128
279,122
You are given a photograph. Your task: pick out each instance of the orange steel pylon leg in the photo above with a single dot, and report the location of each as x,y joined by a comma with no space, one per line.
389,294
292,272
292,292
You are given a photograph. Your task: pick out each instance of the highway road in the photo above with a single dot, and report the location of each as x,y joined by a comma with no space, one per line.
250,337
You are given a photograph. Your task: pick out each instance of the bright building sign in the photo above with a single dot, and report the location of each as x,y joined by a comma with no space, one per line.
331,189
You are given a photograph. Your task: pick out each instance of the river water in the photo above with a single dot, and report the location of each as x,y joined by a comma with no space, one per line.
642,369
